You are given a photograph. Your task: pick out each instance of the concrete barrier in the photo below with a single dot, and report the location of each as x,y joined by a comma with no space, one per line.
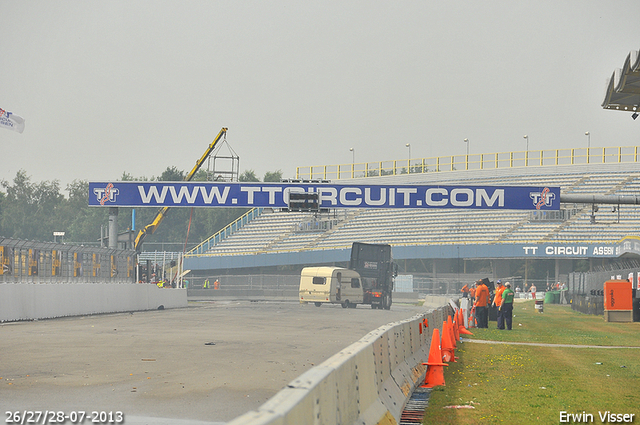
29,301
367,383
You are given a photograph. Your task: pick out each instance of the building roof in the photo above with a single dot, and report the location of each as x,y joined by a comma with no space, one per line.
623,88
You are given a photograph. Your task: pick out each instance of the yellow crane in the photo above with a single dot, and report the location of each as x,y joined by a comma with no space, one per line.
149,229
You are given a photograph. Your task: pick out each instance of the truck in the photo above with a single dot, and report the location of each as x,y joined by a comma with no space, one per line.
374,264
333,285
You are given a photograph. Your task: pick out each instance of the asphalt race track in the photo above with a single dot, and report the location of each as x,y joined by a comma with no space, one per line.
211,362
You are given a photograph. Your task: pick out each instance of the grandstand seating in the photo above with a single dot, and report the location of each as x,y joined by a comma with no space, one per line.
280,231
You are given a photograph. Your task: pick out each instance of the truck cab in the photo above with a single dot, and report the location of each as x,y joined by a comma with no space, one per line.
374,263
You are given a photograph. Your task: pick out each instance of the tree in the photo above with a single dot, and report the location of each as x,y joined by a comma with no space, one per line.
200,176
275,176
30,209
171,174
248,176
82,223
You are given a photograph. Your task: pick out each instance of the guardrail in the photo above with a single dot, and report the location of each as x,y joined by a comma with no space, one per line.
46,262
483,161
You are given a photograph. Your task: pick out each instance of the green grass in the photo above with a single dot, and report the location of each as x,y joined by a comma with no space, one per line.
524,384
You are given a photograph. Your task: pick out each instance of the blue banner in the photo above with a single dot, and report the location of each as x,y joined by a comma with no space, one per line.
276,195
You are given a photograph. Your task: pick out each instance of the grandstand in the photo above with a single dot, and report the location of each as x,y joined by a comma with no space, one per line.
282,238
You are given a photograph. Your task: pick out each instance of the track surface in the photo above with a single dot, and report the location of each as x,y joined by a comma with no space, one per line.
157,364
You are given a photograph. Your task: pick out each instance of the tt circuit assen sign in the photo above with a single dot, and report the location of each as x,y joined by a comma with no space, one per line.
276,195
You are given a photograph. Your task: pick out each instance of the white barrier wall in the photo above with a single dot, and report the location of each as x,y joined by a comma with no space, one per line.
28,301
367,383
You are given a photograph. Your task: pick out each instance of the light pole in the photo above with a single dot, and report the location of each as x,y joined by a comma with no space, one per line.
466,158
526,154
408,145
353,161
586,133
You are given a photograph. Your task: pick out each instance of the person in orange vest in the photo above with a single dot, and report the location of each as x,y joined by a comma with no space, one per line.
465,291
472,293
216,284
481,304
497,302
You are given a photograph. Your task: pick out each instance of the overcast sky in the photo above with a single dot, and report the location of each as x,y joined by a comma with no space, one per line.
132,86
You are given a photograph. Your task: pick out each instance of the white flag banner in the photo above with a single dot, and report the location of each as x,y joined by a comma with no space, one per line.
11,121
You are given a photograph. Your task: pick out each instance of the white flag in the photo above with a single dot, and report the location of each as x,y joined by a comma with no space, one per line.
11,121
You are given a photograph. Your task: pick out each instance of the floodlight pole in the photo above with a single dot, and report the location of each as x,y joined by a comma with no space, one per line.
526,155
353,161
586,133
467,158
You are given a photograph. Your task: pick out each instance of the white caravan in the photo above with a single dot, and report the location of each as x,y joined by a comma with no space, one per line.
334,285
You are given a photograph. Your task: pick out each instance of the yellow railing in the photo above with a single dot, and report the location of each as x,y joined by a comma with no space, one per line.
483,161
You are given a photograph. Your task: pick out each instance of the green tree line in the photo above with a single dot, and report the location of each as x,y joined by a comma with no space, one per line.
34,210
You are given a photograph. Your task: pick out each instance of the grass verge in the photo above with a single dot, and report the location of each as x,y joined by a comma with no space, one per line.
508,383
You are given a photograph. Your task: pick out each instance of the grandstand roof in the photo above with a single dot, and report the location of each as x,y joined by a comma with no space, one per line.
623,88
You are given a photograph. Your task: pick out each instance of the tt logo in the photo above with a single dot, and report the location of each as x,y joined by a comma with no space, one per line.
542,199
108,194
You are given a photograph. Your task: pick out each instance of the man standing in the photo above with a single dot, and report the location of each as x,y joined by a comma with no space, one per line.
497,301
465,291
506,309
533,290
482,299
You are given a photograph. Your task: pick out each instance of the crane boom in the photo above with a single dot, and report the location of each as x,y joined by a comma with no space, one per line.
149,229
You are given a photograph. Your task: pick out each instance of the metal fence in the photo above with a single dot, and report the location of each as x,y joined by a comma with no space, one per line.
482,161
585,289
248,282
418,283
48,262
584,283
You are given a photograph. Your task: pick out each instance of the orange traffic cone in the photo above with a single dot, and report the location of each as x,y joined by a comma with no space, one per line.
460,325
454,328
472,318
448,345
463,331
454,338
435,373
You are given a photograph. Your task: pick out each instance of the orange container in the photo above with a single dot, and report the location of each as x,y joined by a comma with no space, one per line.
618,295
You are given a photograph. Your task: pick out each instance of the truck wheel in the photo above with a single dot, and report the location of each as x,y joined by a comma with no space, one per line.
318,304
373,306
387,302
345,304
